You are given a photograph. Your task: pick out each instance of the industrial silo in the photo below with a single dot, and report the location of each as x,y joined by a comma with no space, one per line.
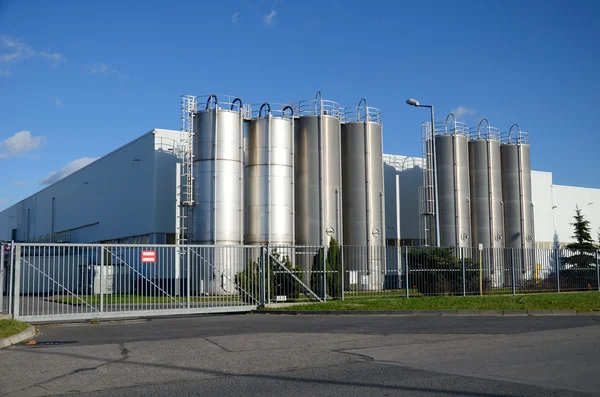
452,164
317,178
362,204
218,192
485,171
516,194
269,176
487,214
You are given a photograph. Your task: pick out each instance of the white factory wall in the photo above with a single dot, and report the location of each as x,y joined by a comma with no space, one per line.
566,199
404,175
121,195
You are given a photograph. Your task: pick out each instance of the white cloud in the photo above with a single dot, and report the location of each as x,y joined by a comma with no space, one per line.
270,18
106,70
235,17
14,50
56,100
20,184
68,169
463,111
20,143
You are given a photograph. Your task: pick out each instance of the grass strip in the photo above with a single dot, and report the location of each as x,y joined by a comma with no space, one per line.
11,327
581,302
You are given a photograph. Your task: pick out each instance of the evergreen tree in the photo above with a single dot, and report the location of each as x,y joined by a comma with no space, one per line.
583,235
582,257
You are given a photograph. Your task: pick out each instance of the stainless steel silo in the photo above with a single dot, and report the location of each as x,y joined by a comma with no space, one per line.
362,204
487,213
269,176
218,190
452,163
485,171
317,177
516,194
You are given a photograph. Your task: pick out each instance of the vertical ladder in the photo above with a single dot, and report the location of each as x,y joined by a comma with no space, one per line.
185,200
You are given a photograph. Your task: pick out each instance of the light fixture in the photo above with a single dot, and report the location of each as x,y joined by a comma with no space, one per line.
412,102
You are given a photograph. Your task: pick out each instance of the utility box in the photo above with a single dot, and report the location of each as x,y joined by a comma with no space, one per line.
90,276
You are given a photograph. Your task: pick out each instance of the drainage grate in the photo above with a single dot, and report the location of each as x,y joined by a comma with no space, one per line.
54,343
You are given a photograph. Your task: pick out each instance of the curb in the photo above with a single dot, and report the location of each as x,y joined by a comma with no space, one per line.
18,338
464,313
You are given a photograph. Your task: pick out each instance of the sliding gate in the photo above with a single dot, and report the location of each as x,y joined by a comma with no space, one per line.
61,282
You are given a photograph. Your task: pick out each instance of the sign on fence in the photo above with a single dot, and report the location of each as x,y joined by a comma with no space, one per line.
148,256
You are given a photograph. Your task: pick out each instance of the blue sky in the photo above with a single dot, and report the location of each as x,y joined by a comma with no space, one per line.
80,78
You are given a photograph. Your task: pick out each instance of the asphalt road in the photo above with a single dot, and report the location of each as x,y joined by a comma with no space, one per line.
305,355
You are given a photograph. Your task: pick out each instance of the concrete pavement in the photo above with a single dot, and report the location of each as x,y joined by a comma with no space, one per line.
320,355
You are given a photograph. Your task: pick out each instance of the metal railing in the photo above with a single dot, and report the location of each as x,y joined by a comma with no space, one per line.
278,110
361,113
54,282
317,106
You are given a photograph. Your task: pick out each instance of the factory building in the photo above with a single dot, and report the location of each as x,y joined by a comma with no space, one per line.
125,197
303,174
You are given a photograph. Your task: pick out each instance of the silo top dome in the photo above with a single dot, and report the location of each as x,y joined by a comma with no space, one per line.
515,136
361,113
222,102
317,106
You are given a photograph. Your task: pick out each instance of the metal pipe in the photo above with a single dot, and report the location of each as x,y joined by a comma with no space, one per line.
211,97
435,181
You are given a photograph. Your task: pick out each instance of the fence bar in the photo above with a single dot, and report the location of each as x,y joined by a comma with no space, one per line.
406,271
597,272
17,282
557,271
464,272
2,278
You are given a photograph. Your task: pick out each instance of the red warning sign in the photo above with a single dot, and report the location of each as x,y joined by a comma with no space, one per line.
148,256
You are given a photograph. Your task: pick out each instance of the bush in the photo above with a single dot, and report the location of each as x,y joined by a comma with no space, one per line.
248,281
437,271
333,266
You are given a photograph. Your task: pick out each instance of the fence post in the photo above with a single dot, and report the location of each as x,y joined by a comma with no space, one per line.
341,269
557,270
262,276
188,259
17,282
597,272
101,279
2,278
464,272
406,269
11,277
324,276
513,282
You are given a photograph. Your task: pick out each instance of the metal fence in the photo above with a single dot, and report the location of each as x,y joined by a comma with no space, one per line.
47,282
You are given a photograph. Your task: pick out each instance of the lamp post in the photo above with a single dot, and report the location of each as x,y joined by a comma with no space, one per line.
415,103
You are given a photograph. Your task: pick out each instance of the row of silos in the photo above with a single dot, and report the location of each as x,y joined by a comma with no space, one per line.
276,175
484,186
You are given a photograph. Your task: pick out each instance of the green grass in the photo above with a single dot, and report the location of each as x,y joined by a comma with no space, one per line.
11,327
138,299
581,302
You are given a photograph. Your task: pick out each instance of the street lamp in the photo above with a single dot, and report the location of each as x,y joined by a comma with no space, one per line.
415,103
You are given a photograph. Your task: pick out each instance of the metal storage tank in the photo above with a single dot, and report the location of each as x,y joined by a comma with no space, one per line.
516,194
487,212
269,176
317,176
362,204
452,163
218,189
485,170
